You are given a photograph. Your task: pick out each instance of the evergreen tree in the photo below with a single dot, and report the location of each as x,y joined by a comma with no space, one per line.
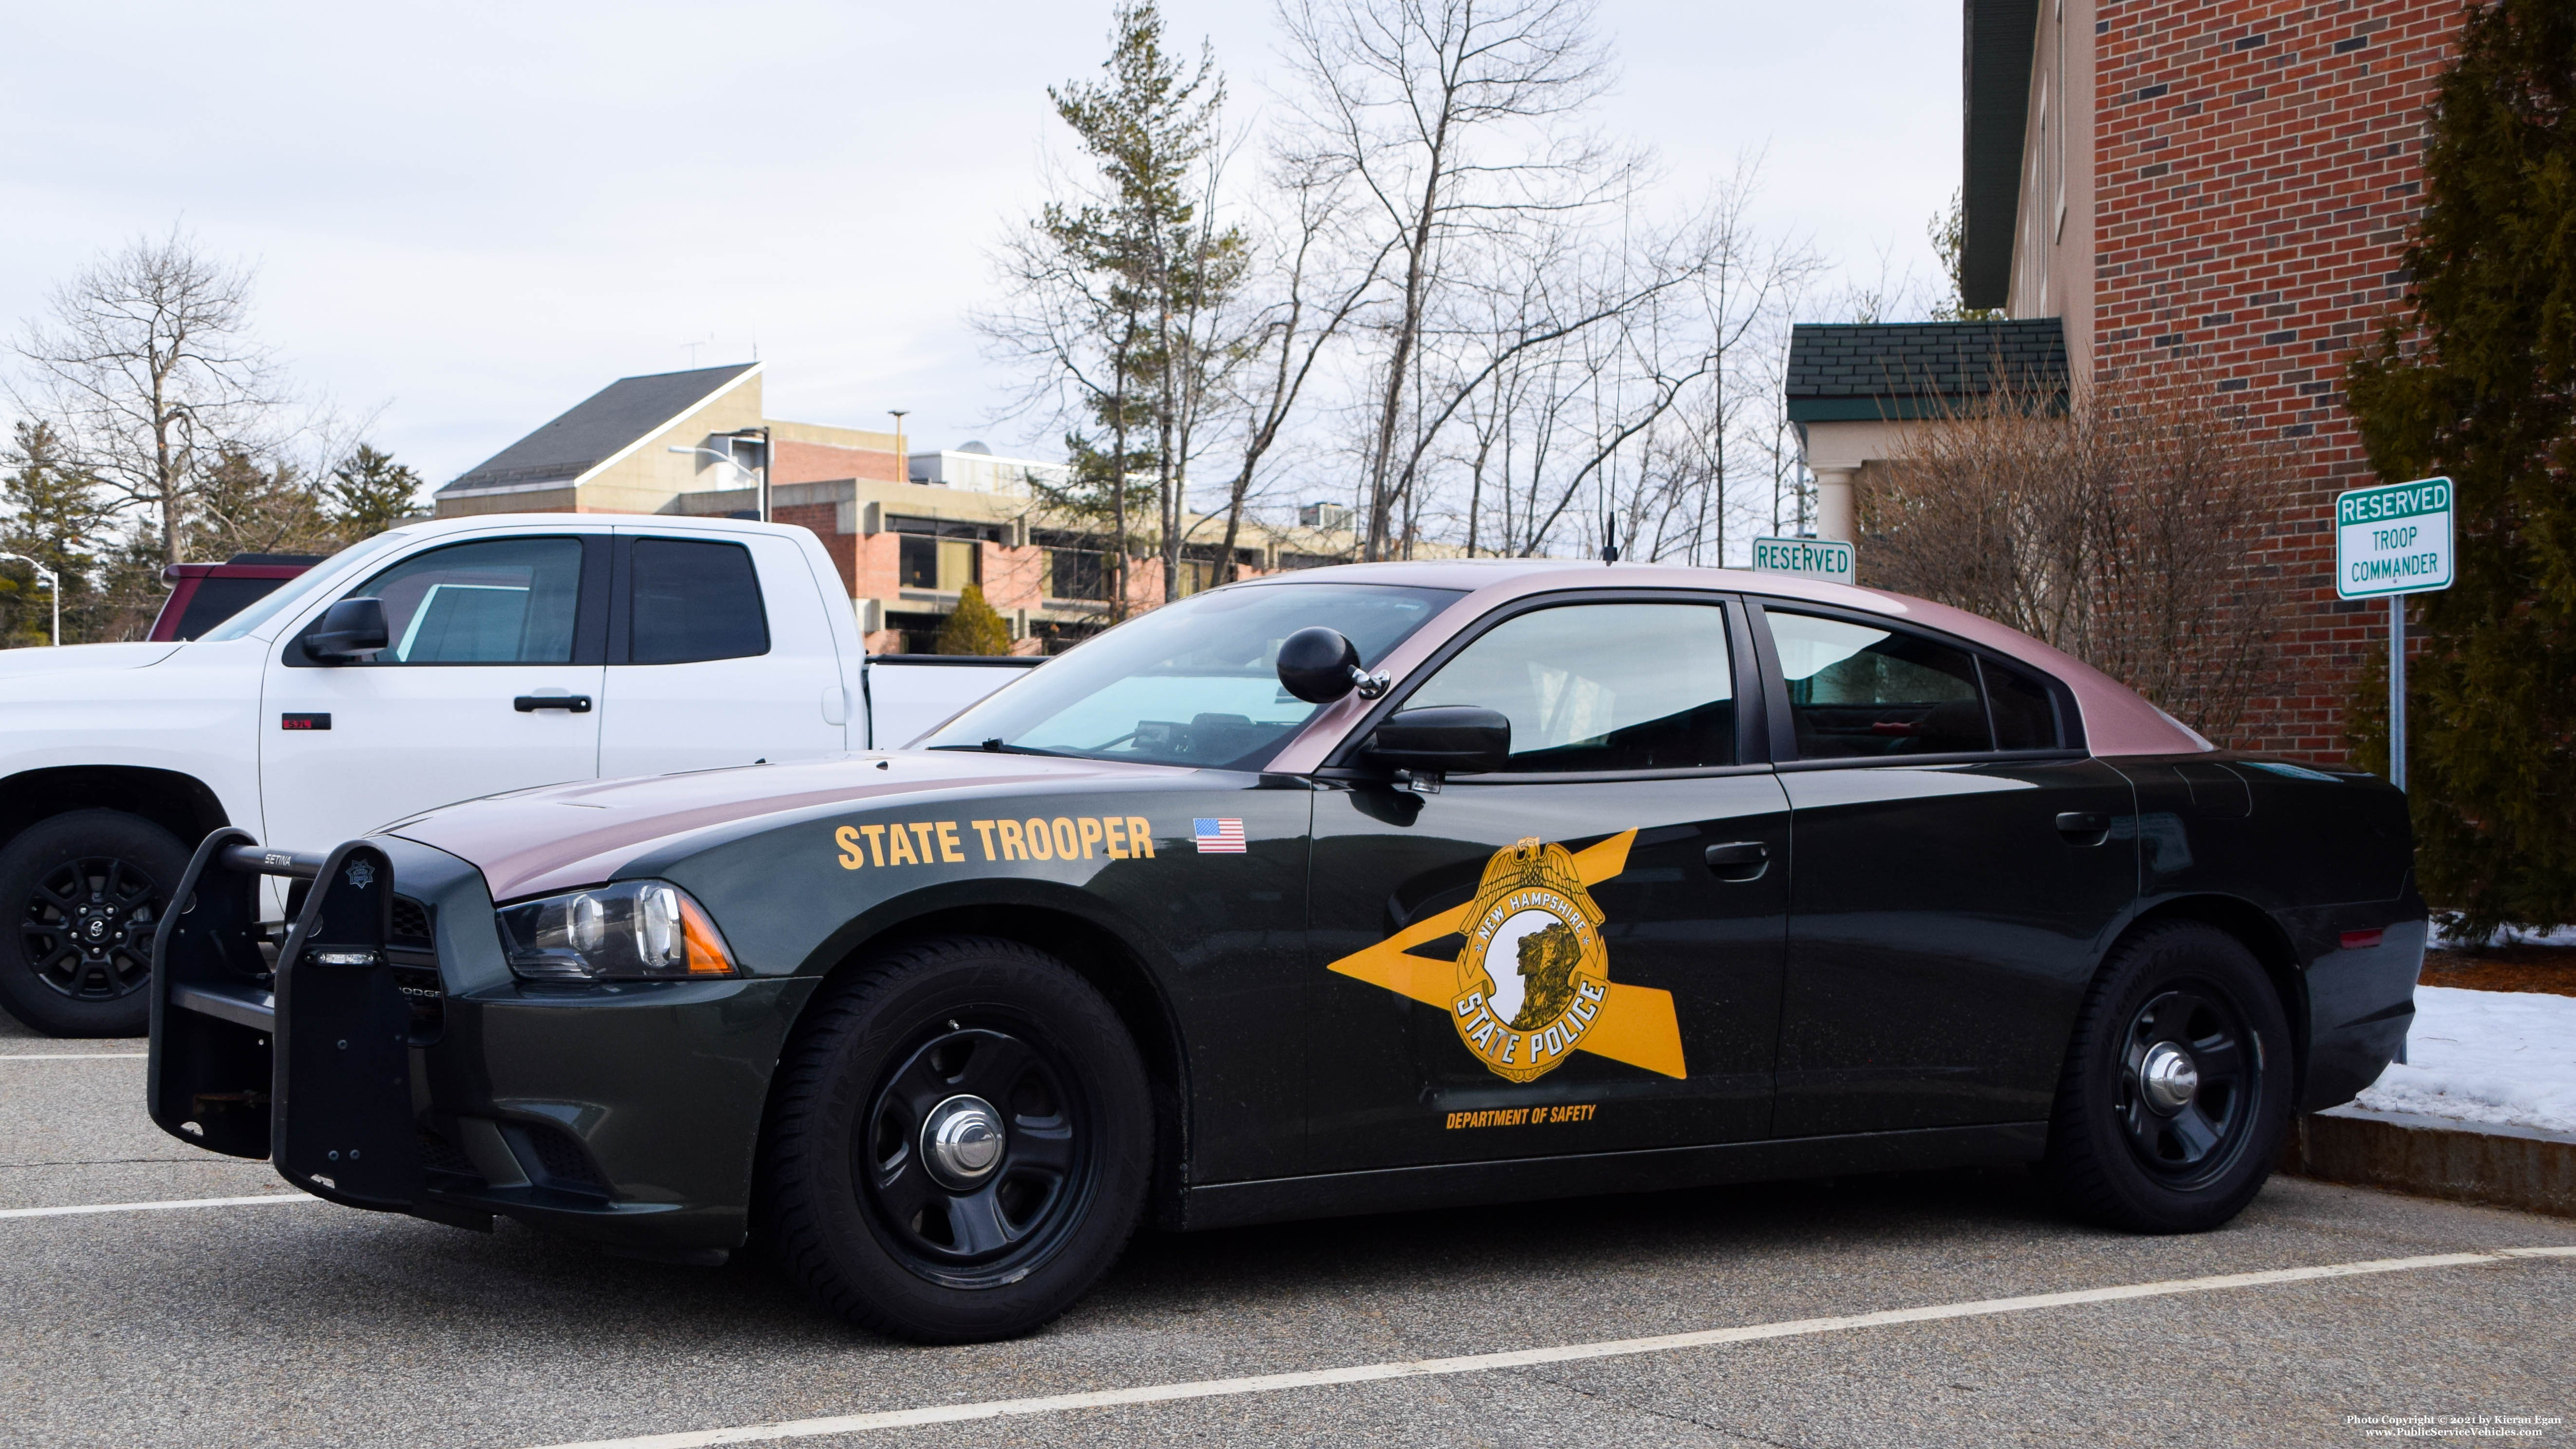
2480,384
50,512
245,506
371,493
975,627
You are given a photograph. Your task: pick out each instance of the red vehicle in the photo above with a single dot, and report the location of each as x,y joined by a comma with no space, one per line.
203,595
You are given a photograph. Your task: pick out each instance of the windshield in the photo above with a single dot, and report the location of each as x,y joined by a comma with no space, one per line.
295,589
1193,683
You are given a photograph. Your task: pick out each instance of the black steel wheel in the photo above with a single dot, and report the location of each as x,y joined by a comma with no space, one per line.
2189,1088
974,1154
958,1143
85,892
2177,1084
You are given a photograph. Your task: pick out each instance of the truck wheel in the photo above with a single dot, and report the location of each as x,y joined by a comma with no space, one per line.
959,1143
2176,1088
85,892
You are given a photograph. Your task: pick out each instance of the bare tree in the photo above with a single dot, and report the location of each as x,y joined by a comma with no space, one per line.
2119,529
1453,118
144,363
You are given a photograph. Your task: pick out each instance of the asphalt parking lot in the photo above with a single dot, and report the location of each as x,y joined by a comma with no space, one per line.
294,1322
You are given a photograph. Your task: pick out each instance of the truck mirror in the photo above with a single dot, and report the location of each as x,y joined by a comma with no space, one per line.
348,632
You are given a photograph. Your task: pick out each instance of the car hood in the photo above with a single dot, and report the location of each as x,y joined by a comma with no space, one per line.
21,665
559,837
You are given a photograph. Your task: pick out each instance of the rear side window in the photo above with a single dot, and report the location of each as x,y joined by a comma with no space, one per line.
1859,692
2025,717
691,600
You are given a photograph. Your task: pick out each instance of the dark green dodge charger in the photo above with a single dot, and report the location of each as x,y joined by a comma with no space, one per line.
1377,887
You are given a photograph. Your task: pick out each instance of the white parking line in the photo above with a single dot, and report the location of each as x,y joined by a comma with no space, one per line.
1523,1358
149,1207
73,1056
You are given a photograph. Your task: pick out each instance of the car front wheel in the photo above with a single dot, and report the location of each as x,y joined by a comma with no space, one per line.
85,892
2176,1087
960,1144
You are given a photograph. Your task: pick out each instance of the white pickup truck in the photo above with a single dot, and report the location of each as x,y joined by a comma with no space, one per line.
435,662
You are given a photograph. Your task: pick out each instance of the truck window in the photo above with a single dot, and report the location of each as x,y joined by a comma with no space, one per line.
691,601
503,601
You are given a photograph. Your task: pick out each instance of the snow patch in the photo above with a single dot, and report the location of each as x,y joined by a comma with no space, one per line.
2486,1056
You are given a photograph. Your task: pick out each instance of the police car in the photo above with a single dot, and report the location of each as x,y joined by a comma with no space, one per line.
1376,887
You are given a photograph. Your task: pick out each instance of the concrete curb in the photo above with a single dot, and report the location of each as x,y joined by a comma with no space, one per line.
2481,1162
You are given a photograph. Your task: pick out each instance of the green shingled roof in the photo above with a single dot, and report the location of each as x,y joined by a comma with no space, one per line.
1869,371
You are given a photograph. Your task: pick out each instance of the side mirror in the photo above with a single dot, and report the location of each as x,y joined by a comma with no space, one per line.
1319,666
347,632
1450,739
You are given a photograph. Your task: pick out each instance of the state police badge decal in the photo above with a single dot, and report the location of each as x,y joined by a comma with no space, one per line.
1534,973
1532,985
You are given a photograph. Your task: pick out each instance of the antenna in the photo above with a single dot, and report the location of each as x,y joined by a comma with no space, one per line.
1610,540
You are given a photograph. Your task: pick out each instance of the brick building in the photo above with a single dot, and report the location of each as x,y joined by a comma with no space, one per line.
2224,186
908,530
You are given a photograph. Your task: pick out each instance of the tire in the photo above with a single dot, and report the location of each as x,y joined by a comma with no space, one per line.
903,1235
2122,1150
84,892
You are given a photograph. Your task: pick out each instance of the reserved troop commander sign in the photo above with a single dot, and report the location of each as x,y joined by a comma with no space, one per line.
2394,539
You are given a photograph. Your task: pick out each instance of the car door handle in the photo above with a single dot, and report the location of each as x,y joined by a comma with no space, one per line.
2084,827
570,703
1738,860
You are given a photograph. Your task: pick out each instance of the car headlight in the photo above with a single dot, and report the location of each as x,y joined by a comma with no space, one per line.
633,930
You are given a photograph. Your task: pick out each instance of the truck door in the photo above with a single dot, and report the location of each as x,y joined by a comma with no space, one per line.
491,683
719,653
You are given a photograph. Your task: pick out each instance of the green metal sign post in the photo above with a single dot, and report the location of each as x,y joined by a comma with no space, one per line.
2391,541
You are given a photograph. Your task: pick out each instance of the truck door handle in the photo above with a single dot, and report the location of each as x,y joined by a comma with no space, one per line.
1738,860
571,703
2084,827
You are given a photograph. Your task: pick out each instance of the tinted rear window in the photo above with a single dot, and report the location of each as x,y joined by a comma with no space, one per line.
218,599
692,601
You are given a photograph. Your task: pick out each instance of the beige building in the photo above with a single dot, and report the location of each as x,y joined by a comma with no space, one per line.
908,530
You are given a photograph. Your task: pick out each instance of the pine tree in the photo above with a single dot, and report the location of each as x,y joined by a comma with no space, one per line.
50,512
2480,384
245,506
974,627
371,493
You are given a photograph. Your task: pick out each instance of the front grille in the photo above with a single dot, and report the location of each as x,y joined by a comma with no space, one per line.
410,925
561,1157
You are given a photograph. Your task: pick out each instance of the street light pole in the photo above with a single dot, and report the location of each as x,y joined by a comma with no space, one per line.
759,480
53,585
902,459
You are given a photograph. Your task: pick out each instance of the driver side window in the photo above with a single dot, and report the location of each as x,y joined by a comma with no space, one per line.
502,601
1592,687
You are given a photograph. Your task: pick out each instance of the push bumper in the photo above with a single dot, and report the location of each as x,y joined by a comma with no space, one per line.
383,1057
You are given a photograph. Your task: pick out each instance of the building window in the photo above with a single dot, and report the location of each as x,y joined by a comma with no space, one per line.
940,553
1077,564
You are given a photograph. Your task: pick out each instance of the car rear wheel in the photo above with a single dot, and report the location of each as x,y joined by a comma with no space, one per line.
2176,1088
85,892
959,1144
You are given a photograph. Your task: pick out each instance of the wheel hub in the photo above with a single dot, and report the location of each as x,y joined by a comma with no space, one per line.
2169,1077
86,928
962,1141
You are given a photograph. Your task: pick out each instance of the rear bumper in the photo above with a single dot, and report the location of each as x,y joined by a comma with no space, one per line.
416,1075
2360,1003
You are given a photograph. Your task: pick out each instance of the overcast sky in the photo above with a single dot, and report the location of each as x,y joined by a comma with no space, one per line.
474,216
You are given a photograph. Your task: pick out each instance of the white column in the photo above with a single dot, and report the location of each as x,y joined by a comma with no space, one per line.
1834,503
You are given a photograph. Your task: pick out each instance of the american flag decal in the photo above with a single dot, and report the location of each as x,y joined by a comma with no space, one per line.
1218,837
